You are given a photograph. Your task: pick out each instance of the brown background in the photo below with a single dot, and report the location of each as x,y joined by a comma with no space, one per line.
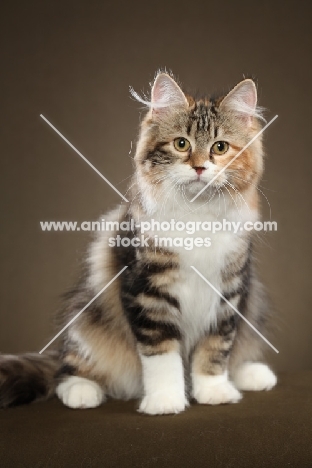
73,62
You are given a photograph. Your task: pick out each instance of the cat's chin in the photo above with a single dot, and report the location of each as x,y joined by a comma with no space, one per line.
194,186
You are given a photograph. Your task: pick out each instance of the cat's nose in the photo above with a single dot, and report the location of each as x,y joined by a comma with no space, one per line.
199,170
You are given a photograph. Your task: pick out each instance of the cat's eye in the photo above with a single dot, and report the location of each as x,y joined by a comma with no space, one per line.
220,147
181,144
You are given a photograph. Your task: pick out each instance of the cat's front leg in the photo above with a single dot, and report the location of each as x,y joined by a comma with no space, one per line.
163,379
154,315
209,366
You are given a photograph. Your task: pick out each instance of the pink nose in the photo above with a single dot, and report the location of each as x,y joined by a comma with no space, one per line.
199,170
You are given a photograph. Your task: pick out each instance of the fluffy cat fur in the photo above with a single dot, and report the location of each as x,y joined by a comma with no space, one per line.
159,332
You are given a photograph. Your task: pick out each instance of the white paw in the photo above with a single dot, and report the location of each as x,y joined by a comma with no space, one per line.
77,392
163,403
254,376
214,390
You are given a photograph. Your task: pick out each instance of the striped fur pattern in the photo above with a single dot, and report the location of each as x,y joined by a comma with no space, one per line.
159,332
28,377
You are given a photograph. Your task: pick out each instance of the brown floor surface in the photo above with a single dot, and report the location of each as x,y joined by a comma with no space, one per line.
266,429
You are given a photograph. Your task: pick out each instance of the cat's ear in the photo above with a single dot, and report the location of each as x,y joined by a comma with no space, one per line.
166,93
242,100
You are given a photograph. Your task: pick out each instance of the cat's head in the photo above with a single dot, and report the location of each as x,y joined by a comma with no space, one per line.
184,143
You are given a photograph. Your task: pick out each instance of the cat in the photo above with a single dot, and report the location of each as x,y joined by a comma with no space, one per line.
159,332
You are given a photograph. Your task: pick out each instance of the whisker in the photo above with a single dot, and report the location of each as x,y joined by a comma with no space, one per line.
240,195
256,187
231,197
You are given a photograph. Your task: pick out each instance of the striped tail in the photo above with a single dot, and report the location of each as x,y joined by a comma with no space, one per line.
27,377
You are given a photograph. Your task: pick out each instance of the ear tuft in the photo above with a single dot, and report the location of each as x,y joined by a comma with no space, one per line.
242,99
166,93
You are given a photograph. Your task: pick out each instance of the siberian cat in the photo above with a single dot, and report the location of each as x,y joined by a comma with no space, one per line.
159,332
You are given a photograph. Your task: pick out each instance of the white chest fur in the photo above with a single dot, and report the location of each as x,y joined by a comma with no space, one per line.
199,302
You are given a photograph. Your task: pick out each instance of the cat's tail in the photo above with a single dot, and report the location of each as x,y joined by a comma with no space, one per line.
28,377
